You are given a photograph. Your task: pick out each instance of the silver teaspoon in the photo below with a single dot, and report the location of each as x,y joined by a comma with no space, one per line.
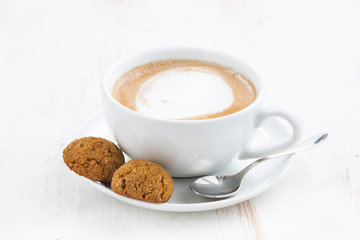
225,186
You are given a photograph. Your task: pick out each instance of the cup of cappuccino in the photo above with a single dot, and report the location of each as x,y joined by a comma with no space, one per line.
190,110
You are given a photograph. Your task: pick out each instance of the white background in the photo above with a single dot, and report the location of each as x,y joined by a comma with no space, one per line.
52,54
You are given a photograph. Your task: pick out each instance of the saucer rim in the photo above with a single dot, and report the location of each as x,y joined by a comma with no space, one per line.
186,207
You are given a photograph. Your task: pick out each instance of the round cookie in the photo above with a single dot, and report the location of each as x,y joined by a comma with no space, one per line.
143,180
93,157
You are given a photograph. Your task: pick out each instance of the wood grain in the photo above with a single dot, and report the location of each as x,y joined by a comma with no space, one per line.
248,213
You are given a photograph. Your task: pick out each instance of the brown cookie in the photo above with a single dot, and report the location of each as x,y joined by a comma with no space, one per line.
143,180
93,157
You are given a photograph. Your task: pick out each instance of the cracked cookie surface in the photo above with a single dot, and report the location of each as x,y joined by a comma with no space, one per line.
94,158
143,180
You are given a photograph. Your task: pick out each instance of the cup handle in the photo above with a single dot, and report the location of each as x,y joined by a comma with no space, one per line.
274,111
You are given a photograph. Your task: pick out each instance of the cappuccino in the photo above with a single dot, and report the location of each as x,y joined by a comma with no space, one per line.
184,90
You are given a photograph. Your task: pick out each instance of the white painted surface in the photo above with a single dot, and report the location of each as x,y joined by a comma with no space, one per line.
52,54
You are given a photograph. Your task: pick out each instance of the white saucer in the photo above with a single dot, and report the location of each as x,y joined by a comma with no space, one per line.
183,199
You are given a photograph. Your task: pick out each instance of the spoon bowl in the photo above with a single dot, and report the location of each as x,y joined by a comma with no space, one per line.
216,186
226,186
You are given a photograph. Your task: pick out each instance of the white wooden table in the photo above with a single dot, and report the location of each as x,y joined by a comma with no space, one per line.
52,54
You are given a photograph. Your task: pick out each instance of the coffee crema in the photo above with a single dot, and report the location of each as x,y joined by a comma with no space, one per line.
184,90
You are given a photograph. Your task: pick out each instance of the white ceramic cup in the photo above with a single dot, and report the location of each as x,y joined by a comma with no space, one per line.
189,148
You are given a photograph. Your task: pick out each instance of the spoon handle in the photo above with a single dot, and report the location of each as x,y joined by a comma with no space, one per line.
304,145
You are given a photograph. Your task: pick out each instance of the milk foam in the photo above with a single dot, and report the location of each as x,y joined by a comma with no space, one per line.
183,93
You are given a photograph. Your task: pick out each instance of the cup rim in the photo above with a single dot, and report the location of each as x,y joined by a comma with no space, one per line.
256,102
